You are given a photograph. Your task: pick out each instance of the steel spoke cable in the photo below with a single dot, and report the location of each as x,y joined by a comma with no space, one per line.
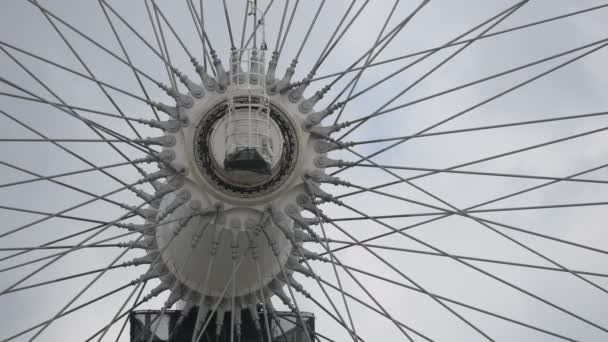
99,275
72,107
484,159
367,61
363,165
328,49
162,45
91,74
101,224
508,237
489,274
259,23
123,315
159,53
29,248
92,41
309,30
137,146
76,308
128,59
510,195
63,310
132,293
333,263
351,330
70,173
227,17
217,304
484,260
165,307
480,128
60,279
296,307
79,157
197,26
490,99
93,244
386,40
360,120
72,113
255,27
202,23
177,37
62,254
334,260
253,246
72,140
500,32
139,286
261,285
476,211
288,29
72,71
409,279
317,334
79,246
281,25
63,184
459,303
465,214
318,304
330,42
124,324
244,26
364,304
63,211
501,17
483,173
37,212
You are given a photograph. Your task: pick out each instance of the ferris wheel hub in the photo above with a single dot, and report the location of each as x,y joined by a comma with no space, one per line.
245,154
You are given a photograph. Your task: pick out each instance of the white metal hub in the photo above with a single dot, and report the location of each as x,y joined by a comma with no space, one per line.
235,239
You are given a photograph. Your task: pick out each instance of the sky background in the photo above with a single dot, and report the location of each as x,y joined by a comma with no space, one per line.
578,88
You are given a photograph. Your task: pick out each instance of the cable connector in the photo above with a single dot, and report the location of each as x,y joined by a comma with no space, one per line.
161,173
308,104
208,81
325,131
222,75
173,184
195,90
315,118
164,141
144,229
315,190
272,67
323,146
296,93
170,126
283,85
321,177
181,198
181,100
323,162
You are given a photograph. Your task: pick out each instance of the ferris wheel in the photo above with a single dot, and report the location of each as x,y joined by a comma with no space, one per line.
264,170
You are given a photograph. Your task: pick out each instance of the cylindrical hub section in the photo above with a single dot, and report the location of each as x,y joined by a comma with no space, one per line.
250,146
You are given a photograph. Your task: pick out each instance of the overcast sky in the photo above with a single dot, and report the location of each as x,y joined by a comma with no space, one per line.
578,88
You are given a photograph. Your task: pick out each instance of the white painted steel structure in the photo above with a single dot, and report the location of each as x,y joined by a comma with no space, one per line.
248,196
